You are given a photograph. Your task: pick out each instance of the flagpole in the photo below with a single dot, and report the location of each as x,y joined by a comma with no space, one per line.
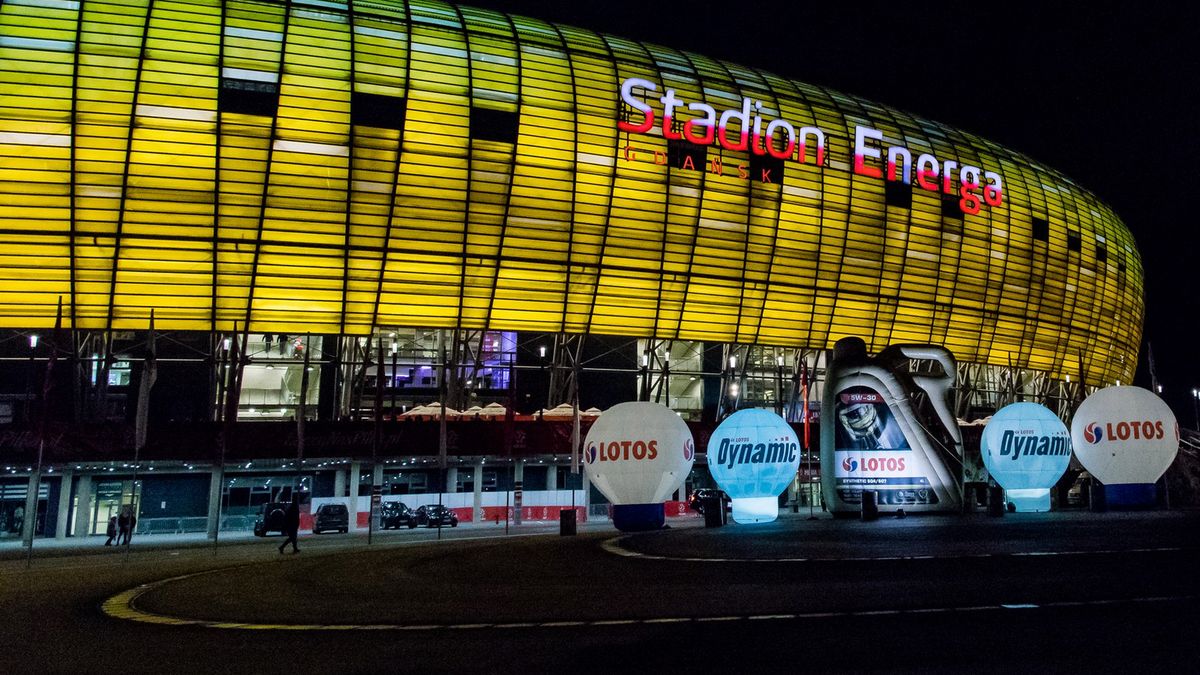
232,396
141,420
377,437
575,444
29,525
301,412
807,446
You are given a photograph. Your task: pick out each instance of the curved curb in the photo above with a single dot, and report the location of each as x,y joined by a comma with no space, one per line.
121,606
614,547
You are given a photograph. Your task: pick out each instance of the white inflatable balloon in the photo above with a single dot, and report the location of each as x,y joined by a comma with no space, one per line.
753,455
638,453
1125,435
1026,448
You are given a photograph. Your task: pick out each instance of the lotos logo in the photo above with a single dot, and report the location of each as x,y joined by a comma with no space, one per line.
1123,431
875,465
689,450
590,453
613,451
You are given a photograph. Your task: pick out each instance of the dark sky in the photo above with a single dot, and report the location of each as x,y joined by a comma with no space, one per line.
1107,95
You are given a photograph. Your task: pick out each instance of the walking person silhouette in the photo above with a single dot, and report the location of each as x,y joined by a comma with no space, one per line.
291,526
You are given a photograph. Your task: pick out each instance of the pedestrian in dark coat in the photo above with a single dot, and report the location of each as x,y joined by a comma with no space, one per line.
125,524
112,531
291,526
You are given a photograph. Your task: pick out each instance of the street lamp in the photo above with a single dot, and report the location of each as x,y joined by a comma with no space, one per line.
1196,406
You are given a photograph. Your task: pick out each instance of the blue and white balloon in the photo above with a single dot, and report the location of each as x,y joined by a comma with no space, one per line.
1026,448
753,455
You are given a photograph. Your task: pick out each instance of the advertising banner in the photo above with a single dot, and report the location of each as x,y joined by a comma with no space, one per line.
871,452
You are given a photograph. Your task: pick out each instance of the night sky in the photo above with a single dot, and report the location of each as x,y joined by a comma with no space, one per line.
1105,94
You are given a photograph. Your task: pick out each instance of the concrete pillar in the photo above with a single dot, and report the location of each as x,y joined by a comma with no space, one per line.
214,502
376,482
477,504
83,506
339,483
452,480
355,477
29,524
518,480
587,495
64,504
552,477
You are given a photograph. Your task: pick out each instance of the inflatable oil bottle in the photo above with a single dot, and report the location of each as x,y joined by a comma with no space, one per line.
890,428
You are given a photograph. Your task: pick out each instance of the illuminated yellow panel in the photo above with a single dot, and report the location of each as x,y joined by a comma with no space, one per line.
305,169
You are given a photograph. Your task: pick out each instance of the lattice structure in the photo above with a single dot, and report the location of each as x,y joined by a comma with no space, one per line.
318,166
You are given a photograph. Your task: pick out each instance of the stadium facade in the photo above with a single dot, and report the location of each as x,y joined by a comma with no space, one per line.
239,216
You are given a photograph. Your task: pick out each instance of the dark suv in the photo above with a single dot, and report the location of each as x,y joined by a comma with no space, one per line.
394,514
436,515
331,517
696,501
270,519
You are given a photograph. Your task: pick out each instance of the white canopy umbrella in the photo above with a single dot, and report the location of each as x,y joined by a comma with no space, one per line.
564,410
431,410
493,410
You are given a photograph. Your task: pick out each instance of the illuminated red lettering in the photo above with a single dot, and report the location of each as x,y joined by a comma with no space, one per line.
632,101
862,151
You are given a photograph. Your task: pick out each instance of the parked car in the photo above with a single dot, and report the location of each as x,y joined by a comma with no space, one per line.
394,514
696,500
270,519
431,515
331,517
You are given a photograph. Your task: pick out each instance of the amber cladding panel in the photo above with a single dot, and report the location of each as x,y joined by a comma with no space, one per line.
326,166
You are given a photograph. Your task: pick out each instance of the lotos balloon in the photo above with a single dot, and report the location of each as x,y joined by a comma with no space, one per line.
637,454
1126,437
753,455
1026,448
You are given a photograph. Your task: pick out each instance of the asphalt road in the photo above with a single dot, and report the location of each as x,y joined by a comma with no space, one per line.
1037,592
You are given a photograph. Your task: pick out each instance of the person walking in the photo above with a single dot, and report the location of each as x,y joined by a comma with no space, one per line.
111,531
291,526
125,524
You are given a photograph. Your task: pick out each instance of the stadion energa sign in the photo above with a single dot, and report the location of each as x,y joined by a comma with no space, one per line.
753,455
1026,449
754,128
637,454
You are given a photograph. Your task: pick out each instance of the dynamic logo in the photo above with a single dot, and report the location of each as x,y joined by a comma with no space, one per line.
590,453
850,464
1027,444
1144,430
689,450
731,453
